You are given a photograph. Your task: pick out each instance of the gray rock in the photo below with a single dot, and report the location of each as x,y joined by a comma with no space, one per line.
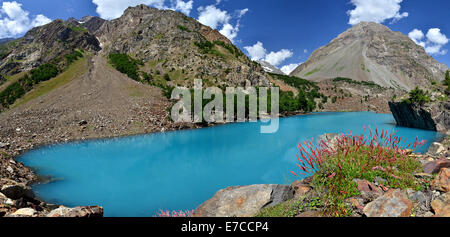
394,203
17,191
433,116
3,198
244,201
24,212
329,138
93,211
408,115
436,149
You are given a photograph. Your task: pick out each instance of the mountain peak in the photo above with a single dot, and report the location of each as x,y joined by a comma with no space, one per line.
372,52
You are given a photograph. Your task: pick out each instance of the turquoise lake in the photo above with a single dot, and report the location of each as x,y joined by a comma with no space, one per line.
137,176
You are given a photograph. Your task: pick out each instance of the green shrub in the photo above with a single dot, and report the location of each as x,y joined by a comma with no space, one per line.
350,81
147,77
205,46
231,48
72,57
182,28
11,94
166,77
77,29
295,81
125,64
44,73
418,96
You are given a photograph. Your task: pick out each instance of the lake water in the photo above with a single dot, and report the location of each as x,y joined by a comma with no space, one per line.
137,176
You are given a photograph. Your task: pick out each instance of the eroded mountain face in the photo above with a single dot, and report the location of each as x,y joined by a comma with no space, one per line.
168,41
372,52
44,44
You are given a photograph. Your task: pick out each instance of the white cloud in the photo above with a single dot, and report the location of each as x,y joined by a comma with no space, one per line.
416,35
433,42
276,58
111,9
40,20
182,6
375,11
258,52
15,21
434,35
215,18
212,16
287,69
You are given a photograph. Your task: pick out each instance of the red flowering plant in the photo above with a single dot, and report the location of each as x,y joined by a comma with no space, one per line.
336,164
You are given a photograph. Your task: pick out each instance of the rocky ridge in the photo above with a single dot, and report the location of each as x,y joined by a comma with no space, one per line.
43,44
171,43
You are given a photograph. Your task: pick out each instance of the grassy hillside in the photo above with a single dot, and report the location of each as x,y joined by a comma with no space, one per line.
78,68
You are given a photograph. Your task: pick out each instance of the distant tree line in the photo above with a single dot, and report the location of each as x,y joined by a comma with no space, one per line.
305,101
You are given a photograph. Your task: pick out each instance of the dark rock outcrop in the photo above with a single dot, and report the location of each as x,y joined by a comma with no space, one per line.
92,23
408,115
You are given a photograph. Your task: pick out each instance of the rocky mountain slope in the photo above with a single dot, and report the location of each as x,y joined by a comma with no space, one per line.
371,52
43,44
171,43
270,68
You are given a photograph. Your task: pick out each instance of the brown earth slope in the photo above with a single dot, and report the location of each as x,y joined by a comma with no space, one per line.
100,102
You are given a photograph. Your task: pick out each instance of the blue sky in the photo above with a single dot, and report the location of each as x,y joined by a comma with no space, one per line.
287,30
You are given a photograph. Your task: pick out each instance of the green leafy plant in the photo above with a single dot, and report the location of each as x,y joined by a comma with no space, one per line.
126,64
335,167
418,96
72,57
183,28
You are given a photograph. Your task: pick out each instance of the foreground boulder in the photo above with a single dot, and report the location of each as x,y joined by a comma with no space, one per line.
24,212
394,203
93,211
436,149
368,189
441,205
435,166
244,201
442,181
17,191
